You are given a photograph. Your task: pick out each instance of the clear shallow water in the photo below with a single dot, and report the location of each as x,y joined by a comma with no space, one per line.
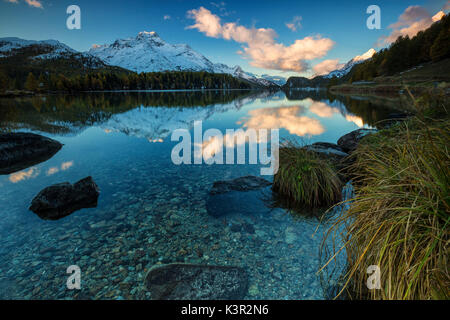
151,211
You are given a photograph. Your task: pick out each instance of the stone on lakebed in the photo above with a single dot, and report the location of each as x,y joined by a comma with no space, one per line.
247,183
179,281
60,200
21,150
238,196
350,141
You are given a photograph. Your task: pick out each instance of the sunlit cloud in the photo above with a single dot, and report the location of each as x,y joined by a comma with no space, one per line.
64,166
215,144
327,66
410,22
355,119
52,171
259,45
289,118
295,24
24,175
33,3
322,109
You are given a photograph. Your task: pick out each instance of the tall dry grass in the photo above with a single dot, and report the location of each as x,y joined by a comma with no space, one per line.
399,217
305,178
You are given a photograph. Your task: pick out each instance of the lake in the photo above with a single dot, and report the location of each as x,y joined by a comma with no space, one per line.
152,211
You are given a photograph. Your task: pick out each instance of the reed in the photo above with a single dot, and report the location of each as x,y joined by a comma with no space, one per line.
305,178
399,217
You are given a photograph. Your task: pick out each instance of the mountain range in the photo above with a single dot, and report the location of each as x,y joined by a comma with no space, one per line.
146,52
350,64
324,80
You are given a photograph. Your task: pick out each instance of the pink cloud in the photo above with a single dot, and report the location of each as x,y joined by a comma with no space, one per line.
327,66
259,44
33,3
410,22
289,118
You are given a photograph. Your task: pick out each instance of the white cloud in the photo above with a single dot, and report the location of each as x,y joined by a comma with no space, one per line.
410,22
259,44
327,66
33,3
33,172
322,109
289,118
295,24
167,17
66,165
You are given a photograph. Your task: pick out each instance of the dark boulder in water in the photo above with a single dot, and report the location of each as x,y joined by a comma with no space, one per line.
60,200
237,196
327,149
179,281
246,183
350,141
20,150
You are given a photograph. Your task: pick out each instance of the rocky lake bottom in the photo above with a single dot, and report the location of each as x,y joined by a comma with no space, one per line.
152,212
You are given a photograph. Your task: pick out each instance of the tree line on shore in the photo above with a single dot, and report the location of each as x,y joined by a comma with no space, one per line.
104,81
430,45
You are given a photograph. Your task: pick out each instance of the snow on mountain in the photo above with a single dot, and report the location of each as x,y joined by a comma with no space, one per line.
147,52
9,46
157,123
281,81
45,50
349,65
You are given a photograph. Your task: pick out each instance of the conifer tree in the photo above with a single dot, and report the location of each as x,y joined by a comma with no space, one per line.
31,83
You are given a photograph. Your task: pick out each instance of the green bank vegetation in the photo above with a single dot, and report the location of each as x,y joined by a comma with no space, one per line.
399,217
104,81
305,178
430,45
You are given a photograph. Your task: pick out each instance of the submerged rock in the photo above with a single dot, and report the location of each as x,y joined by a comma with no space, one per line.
350,141
60,200
246,183
227,197
180,281
21,150
327,150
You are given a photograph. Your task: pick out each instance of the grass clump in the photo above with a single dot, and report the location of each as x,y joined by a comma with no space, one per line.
399,217
305,178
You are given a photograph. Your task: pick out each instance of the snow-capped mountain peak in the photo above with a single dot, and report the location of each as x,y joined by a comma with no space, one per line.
8,46
369,54
148,52
350,64
43,50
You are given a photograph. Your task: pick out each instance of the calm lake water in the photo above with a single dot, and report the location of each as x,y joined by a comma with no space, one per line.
151,211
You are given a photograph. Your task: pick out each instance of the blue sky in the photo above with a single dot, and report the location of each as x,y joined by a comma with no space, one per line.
342,22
